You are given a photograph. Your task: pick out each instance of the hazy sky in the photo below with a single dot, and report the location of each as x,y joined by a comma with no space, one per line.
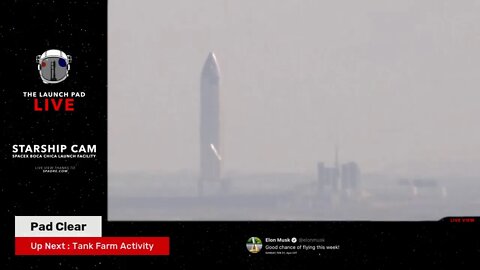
395,83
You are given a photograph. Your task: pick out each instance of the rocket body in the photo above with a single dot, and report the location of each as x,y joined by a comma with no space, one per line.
210,149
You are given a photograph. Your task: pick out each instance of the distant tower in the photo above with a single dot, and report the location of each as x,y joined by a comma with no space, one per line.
350,176
210,151
329,177
337,164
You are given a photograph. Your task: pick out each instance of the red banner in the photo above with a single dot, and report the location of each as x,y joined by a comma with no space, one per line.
118,246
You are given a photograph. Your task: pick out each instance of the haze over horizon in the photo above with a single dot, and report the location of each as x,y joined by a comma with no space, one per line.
393,83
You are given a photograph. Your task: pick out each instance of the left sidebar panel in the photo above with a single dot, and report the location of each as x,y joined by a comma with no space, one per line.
53,102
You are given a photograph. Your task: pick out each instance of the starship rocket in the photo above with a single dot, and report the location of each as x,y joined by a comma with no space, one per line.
210,151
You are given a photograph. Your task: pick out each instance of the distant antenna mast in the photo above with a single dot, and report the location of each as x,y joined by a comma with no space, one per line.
337,164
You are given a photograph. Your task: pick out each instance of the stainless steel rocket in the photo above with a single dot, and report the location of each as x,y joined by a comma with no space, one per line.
210,150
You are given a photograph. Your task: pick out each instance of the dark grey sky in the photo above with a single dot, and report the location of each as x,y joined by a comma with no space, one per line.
394,83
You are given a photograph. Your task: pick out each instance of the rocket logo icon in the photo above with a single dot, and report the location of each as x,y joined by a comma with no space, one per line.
53,66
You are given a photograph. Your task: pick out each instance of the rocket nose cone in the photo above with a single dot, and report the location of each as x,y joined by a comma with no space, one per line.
211,65
212,59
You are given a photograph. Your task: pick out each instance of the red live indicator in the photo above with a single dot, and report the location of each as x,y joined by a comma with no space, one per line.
462,220
72,246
